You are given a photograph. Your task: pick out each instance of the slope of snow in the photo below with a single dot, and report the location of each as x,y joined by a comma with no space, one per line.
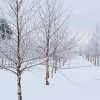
67,84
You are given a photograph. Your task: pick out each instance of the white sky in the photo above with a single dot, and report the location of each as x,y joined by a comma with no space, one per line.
85,15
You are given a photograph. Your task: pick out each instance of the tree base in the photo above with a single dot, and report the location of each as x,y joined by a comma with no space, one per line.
47,83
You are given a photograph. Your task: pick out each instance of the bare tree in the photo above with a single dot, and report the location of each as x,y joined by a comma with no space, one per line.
53,19
92,51
18,51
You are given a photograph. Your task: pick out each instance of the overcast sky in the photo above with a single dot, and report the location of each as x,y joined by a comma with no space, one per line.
85,15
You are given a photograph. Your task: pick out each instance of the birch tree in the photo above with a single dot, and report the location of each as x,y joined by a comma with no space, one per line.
52,18
93,47
18,51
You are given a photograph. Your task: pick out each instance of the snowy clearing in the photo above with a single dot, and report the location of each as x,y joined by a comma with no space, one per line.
70,84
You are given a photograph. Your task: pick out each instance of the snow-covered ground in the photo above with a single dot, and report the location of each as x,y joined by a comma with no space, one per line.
70,84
